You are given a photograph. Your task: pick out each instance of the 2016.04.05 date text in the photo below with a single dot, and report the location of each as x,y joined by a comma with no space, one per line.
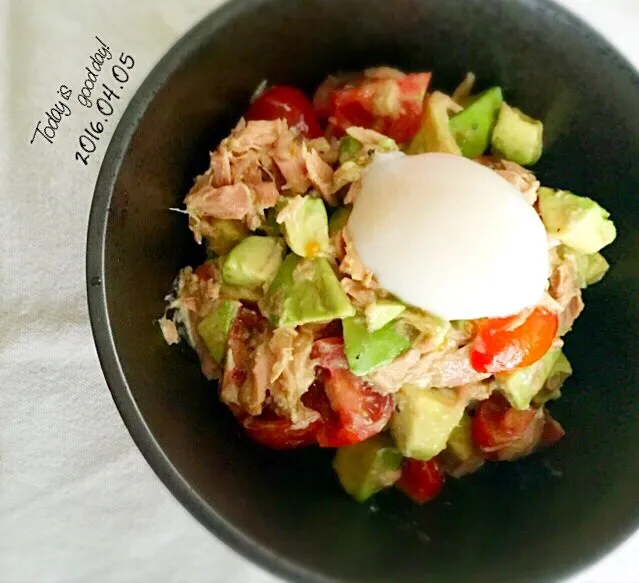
90,136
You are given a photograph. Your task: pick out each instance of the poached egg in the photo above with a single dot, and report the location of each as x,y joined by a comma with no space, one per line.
449,236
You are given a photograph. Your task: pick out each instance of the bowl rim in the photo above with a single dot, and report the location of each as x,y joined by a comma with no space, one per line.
107,353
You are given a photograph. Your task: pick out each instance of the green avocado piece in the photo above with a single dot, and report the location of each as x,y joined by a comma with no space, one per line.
434,134
306,229
338,220
551,390
473,127
424,420
349,147
461,456
225,234
367,351
520,386
367,467
577,221
591,268
381,313
517,137
253,262
215,327
303,291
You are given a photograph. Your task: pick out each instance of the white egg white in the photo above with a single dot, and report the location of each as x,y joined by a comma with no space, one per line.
450,236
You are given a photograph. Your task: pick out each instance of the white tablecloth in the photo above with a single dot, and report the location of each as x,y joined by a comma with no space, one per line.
77,500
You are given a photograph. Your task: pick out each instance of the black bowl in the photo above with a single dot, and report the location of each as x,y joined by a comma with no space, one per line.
537,520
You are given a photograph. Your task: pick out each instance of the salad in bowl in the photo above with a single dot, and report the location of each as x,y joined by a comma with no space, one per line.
387,277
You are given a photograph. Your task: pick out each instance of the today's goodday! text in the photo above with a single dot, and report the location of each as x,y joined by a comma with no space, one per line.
105,76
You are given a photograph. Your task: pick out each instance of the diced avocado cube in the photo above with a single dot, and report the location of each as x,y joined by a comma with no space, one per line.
520,386
473,127
577,221
306,226
225,234
367,467
253,262
435,134
367,351
304,291
338,220
381,313
551,390
349,147
591,268
423,420
517,137
215,327
461,456
430,326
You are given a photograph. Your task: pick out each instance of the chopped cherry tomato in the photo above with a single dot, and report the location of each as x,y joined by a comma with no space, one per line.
496,424
331,330
329,353
316,399
421,481
205,271
246,332
329,434
500,347
361,411
552,433
355,411
279,433
503,432
287,103
392,106
323,96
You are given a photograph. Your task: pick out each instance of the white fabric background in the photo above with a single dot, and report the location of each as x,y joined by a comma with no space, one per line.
77,500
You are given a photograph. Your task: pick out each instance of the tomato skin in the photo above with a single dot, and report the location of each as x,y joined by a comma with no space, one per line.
496,348
361,411
205,271
421,481
315,398
351,409
333,434
552,433
504,433
331,330
287,103
323,96
279,434
247,331
496,424
392,106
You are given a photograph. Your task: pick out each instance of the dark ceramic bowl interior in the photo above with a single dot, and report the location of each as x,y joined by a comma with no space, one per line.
538,520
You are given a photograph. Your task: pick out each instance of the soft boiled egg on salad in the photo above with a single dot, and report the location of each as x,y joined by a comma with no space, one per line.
449,236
